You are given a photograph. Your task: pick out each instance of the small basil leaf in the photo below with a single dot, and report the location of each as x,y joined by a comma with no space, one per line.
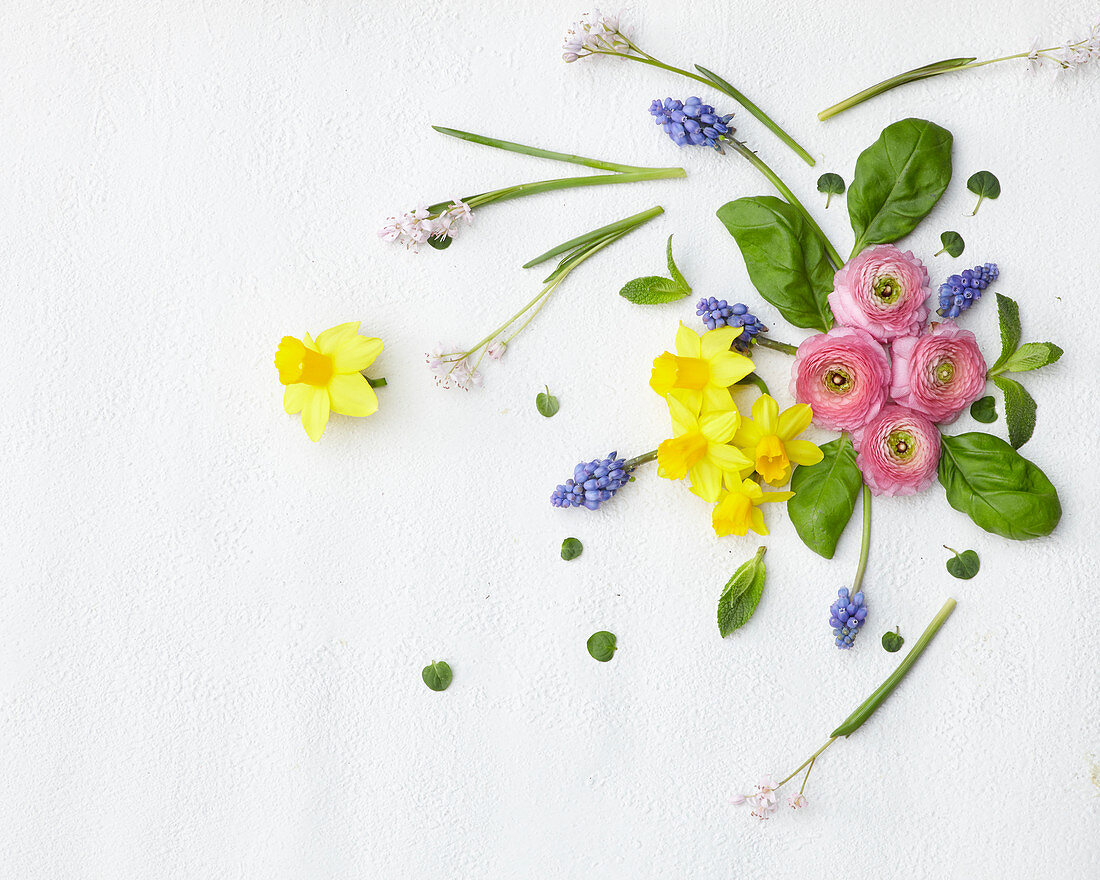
652,290
1020,409
741,594
441,244
1031,356
602,645
984,185
952,243
831,184
984,410
1008,316
437,675
571,548
963,565
674,271
998,488
825,496
546,403
892,641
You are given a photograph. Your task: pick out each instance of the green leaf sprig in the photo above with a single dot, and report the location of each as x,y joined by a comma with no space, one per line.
742,594
952,243
831,184
963,565
653,289
984,185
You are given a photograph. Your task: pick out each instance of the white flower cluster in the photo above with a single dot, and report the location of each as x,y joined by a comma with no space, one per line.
414,228
452,369
1069,56
595,32
763,801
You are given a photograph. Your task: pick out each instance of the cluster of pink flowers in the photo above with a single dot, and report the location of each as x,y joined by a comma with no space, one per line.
414,228
886,375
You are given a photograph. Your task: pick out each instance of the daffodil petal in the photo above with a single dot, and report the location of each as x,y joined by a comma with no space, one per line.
356,353
758,525
687,342
351,395
719,340
729,458
714,398
728,367
803,452
719,427
308,342
315,413
331,339
683,419
294,397
772,497
706,479
748,435
765,412
795,420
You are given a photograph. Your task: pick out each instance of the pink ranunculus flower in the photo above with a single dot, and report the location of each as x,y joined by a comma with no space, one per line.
939,373
898,451
883,291
844,375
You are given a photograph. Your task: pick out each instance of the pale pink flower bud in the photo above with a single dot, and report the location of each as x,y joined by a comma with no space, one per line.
938,374
883,291
898,451
496,350
844,375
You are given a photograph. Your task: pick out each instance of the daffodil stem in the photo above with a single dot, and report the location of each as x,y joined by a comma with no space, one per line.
641,459
776,345
865,544
753,379
376,383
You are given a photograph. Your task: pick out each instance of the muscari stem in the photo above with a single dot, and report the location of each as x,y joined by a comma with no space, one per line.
753,379
513,147
935,69
791,198
865,544
641,459
776,345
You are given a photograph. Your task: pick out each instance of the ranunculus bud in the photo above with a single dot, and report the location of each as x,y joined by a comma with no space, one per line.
844,375
883,291
898,451
939,373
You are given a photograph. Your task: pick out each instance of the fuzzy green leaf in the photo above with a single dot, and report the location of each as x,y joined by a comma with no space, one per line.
1031,356
741,594
1020,409
1008,316
674,271
825,496
652,290
984,410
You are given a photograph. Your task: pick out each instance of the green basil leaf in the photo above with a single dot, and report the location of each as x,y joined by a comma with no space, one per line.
952,243
602,645
831,184
1008,316
1020,408
1031,356
963,565
741,594
825,496
571,548
984,185
437,675
440,244
984,410
674,271
651,290
998,488
892,641
898,180
546,403
784,257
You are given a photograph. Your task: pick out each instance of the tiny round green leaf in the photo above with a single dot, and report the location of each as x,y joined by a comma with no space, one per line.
984,409
571,548
952,243
437,675
601,645
892,641
963,565
830,184
546,403
984,185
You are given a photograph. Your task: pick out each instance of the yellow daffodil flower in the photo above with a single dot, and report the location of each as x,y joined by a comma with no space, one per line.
325,375
702,369
700,448
768,439
738,510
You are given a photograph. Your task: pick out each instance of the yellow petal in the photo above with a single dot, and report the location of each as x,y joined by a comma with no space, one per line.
309,343
294,398
748,435
356,353
729,366
715,399
732,515
795,420
719,427
719,340
352,395
330,340
757,522
729,459
687,342
765,412
706,479
315,413
683,419
773,497
803,452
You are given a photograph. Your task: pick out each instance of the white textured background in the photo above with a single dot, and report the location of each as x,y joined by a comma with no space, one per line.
212,630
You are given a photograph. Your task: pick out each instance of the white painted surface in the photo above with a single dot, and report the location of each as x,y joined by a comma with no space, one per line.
211,629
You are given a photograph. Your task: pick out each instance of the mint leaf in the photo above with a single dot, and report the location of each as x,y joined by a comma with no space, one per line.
571,548
952,243
1008,316
652,290
546,403
984,410
892,641
831,184
1020,410
741,595
963,565
1031,356
602,645
675,272
437,675
984,185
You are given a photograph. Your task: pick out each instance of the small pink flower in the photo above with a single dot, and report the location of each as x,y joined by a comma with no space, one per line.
898,451
496,350
939,373
799,800
844,375
883,291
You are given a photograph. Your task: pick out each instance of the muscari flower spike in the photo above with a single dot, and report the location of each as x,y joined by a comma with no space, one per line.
846,616
959,292
719,313
593,483
691,123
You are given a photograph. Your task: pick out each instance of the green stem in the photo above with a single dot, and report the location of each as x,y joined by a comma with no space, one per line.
776,345
865,544
853,722
375,383
629,222
809,760
940,251
791,198
753,379
806,779
513,147
641,459
918,73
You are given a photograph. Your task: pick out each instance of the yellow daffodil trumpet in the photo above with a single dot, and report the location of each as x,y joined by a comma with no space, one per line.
738,510
768,439
703,368
700,448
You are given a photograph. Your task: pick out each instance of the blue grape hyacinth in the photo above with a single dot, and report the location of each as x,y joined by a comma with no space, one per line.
593,483
959,292
846,616
691,123
718,313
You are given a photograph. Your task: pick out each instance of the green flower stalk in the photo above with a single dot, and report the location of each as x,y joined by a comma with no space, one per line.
1071,55
597,34
436,225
